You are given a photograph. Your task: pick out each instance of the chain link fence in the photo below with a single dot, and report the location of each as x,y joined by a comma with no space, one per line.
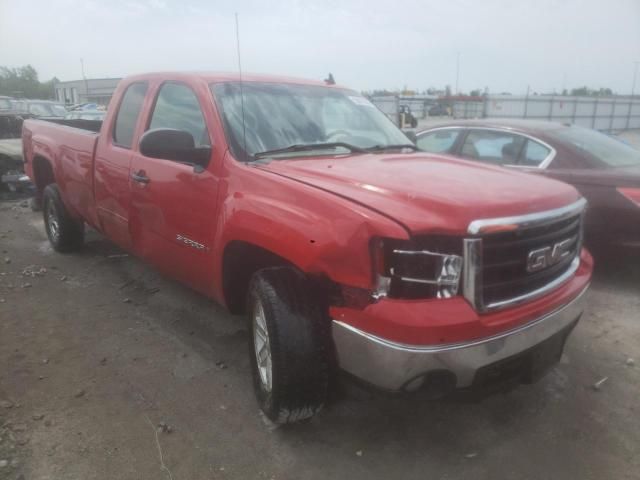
600,113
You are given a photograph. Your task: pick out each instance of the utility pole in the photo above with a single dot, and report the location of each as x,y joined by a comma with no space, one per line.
457,72
86,84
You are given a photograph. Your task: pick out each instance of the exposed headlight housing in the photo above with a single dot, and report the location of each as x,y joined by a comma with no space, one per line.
419,268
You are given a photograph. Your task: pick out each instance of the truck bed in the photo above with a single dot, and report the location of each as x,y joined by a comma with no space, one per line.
70,147
79,123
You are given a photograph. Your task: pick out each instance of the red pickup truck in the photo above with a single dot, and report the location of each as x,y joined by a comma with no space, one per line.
303,206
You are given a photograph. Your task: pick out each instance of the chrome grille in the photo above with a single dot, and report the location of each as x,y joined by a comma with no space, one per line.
505,255
519,258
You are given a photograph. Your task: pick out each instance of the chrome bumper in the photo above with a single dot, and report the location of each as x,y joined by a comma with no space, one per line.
393,366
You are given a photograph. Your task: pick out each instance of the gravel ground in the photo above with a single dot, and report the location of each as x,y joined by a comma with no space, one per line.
97,350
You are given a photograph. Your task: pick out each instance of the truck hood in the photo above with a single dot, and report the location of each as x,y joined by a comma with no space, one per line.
425,192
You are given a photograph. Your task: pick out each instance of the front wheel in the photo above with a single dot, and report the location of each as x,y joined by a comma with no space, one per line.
65,233
289,345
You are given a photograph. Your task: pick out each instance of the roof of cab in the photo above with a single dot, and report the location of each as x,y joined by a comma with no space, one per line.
219,77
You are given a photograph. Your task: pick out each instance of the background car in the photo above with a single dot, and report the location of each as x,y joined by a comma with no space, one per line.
82,106
40,108
5,103
86,115
438,110
604,170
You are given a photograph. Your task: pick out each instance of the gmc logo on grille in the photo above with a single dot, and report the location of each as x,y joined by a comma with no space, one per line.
548,256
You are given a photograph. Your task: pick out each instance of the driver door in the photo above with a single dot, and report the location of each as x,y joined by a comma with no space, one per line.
173,204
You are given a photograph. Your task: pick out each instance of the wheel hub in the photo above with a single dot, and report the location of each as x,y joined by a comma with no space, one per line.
262,347
52,221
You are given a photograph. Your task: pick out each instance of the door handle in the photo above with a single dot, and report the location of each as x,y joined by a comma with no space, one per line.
140,177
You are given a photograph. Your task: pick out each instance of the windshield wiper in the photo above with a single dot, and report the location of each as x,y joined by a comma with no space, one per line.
307,147
399,146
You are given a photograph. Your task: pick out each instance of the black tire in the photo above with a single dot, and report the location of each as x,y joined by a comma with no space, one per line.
65,233
298,343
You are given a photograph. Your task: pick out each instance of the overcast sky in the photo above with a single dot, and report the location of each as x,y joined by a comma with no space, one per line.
504,45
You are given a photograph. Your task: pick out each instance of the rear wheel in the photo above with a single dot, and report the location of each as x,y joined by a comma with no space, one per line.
288,345
65,233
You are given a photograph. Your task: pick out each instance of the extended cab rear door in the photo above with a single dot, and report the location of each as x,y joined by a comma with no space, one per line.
112,164
173,204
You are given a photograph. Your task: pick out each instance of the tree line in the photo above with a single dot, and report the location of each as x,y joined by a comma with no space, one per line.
23,82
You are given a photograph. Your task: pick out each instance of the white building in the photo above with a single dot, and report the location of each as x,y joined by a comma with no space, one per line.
91,90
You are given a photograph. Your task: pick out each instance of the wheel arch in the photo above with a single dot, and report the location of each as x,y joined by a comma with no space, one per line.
240,260
43,173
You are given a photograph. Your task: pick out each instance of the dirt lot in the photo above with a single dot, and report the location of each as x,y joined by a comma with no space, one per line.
96,350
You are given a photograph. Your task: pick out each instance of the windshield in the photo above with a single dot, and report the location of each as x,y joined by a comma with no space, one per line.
277,116
5,104
607,151
47,110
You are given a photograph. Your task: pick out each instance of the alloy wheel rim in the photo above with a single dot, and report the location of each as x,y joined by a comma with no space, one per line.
52,221
262,347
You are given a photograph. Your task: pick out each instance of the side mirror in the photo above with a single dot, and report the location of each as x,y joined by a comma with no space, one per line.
173,144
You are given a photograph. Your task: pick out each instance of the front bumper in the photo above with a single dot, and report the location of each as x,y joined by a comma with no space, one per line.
396,366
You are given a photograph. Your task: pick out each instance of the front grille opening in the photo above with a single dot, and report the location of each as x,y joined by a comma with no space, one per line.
505,259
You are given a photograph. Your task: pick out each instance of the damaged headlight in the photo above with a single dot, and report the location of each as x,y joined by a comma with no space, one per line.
419,268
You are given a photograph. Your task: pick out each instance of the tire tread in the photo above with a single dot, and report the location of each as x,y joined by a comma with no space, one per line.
71,236
301,367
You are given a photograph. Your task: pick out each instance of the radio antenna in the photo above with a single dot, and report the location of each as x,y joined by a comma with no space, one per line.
244,130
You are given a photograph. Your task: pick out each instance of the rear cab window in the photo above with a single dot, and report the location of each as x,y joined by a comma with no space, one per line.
128,113
438,141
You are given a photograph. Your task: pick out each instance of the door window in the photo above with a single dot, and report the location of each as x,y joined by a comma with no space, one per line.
127,116
440,141
534,154
489,146
177,107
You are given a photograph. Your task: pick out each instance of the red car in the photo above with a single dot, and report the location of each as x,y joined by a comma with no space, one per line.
605,170
304,207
